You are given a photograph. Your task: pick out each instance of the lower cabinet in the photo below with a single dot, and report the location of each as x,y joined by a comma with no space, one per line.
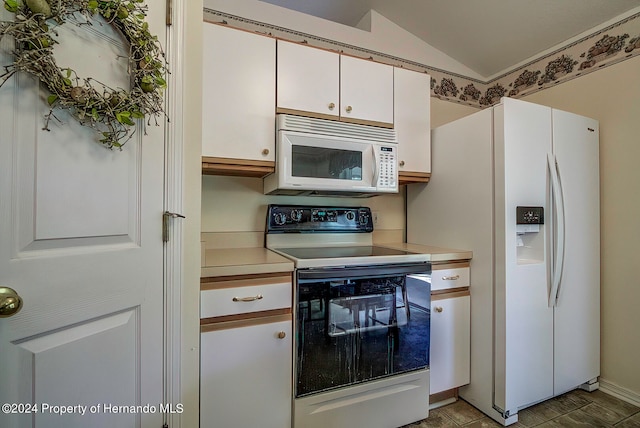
245,378
450,348
246,348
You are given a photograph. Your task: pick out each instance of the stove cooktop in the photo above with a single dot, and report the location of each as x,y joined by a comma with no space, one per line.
329,236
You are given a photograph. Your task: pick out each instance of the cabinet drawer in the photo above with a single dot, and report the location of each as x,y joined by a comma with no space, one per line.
450,276
231,300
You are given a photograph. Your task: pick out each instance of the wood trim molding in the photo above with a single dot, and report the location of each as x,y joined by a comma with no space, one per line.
450,265
411,177
233,281
450,293
618,391
367,122
237,167
245,320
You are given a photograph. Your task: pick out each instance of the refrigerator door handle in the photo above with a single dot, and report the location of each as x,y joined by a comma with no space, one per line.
558,203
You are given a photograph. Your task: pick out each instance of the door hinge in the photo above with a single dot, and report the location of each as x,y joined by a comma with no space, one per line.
169,12
165,224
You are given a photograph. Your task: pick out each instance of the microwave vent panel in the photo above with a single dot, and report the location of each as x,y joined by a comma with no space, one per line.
337,129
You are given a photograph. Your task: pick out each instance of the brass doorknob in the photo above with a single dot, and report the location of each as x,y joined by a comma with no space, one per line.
10,302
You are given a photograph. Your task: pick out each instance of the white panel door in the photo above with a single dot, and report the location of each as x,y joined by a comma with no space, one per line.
308,80
235,391
239,94
412,119
80,242
366,91
577,314
450,346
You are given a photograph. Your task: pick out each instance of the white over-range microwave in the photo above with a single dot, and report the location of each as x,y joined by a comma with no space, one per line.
324,157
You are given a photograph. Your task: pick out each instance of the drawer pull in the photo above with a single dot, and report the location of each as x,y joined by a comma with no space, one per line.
438,308
282,335
247,299
451,278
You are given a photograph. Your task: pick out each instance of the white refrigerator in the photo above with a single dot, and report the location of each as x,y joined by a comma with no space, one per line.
535,286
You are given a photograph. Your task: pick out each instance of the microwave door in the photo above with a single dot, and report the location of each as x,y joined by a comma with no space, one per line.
308,161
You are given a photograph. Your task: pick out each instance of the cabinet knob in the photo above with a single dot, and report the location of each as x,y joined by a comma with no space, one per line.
332,106
282,335
348,109
438,308
401,163
265,152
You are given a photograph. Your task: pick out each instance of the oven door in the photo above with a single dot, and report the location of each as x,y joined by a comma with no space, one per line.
356,324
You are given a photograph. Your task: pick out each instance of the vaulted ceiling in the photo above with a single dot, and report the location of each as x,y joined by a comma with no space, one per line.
488,36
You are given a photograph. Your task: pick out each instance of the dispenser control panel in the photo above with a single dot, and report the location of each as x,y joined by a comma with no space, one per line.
529,215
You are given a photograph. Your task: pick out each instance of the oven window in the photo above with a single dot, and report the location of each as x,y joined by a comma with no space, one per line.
319,162
358,329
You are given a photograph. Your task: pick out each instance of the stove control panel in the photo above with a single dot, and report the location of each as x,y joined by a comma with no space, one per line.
303,218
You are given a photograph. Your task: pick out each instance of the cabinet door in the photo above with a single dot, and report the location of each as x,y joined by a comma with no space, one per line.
366,91
245,376
412,118
238,94
308,80
449,354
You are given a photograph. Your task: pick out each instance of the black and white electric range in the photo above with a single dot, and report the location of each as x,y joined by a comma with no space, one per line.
361,319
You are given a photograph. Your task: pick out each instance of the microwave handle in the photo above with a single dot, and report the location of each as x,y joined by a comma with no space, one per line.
374,178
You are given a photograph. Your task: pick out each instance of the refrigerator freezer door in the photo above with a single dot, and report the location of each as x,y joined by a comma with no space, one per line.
523,318
576,315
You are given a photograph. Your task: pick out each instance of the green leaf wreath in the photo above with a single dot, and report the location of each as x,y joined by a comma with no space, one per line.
110,111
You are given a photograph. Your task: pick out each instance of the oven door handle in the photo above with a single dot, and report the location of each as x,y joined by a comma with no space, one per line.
346,272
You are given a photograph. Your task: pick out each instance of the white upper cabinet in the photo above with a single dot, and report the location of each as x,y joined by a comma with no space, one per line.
308,80
324,84
239,81
412,120
366,91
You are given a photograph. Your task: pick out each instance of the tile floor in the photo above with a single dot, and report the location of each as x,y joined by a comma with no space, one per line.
574,409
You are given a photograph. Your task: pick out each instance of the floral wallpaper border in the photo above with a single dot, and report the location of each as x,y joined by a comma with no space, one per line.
608,46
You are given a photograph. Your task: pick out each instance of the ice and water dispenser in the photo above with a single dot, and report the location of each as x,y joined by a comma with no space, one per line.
530,234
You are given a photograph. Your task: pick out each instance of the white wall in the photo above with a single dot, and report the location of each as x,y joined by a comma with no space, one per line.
443,112
237,204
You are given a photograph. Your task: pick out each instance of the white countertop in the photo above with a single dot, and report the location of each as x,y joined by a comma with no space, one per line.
243,261
257,260
437,254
